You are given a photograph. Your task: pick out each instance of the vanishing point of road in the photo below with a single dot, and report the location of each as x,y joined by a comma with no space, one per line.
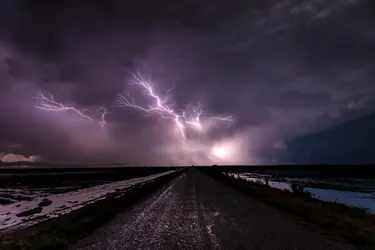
196,212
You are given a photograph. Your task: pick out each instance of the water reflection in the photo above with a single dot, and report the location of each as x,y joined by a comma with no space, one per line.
354,199
280,185
363,198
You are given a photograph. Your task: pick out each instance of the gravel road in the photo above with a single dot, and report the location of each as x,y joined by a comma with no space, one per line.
196,212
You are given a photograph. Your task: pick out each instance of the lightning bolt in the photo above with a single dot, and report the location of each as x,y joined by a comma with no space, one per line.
160,106
48,103
5,157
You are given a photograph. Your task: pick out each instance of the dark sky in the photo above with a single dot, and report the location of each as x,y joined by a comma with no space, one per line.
281,68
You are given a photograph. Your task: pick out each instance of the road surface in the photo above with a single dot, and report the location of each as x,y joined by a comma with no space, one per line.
196,212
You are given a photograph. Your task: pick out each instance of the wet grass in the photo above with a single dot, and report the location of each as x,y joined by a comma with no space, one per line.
355,225
66,230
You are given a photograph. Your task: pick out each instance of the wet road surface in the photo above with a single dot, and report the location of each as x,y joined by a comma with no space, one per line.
196,212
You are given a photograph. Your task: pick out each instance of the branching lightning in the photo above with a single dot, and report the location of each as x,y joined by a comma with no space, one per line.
190,116
48,103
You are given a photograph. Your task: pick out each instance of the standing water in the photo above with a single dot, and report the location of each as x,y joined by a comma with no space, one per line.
351,192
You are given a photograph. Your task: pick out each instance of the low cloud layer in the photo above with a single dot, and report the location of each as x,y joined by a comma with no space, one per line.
18,158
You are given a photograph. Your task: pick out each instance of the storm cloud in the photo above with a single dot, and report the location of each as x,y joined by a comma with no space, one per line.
280,68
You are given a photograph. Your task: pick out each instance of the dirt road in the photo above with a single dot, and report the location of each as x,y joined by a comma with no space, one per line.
196,212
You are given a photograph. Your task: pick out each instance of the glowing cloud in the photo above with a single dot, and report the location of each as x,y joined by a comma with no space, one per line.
222,151
18,158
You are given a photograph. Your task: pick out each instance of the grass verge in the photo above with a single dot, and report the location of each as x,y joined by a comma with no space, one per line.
59,233
355,225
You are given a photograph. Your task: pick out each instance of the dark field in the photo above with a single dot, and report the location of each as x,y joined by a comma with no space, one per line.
323,170
81,177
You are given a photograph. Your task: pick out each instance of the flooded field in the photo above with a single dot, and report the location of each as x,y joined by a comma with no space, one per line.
355,192
15,193
28,198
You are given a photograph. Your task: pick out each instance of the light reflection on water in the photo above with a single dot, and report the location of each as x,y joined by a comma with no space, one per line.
280,185
363,198
354,199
